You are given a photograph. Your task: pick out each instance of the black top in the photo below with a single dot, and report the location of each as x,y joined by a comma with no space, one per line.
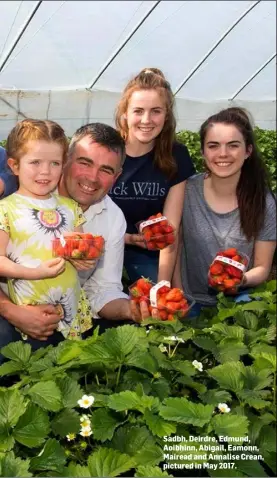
142,188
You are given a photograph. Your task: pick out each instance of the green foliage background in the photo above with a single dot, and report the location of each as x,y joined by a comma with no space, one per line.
266,141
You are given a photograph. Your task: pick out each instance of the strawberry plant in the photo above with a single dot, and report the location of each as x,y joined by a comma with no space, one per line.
110,405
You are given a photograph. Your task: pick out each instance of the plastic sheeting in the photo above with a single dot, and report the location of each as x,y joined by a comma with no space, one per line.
69,60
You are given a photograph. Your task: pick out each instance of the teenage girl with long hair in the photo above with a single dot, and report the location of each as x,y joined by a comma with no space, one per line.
155,170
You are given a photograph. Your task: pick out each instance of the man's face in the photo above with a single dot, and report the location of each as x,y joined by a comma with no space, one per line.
91,172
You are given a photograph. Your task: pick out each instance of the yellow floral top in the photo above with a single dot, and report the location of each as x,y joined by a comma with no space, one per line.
32,224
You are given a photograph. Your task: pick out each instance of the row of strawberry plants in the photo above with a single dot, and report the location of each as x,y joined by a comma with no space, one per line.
103,407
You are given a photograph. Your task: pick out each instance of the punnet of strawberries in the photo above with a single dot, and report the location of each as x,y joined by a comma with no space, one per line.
157,232
227,270
171,303
77,245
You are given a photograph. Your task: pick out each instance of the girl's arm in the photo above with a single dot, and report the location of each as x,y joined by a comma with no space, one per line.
12,270
177,278
173,211
263,258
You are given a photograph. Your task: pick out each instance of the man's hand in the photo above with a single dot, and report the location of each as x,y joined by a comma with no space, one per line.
141,312
83,264
135,240
37,321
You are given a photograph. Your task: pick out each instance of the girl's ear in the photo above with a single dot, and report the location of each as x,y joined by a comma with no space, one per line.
14,165
249,151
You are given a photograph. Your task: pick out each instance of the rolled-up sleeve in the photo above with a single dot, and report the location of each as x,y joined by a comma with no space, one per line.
105,284
9,179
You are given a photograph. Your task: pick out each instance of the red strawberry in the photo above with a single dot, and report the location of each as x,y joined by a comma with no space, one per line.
233,271
216,269
232,251
229,283
163,290
173,306
174,295
144,284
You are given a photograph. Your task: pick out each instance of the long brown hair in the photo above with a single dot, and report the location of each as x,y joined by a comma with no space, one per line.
253,183
152,79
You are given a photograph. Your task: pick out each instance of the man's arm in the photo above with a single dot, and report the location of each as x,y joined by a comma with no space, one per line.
8,181
38,322
104,288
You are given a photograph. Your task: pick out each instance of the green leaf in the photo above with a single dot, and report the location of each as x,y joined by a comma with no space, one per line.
47,395
6,440
225,313
17,351
256,379
205,343
188,382
51,458
227,331
12,406
157,425
12,466
104,423
124,401
264,361
32,427
77,471
68,350
120,341
109,462
184,366
10,368
230,425
182,411
214,397
70,390
139,443
259,306
150,471
248,320
230,350
140,359
65,422
228,375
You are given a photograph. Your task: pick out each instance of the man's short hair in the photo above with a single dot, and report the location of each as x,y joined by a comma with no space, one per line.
102,134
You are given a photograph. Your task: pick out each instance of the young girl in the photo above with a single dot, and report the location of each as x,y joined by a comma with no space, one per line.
32,217
229,206
154,173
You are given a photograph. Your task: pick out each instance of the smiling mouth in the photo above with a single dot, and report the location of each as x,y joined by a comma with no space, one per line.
87,189
223,164
146,130
43,181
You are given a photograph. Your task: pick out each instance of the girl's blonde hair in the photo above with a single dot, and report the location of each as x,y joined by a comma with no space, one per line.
152,79
32,130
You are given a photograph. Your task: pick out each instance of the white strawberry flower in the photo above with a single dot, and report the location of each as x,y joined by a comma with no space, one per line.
71,436
83,418
86,428
223,408
162,348
85,422
198,365
174,338
86,432
86,401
